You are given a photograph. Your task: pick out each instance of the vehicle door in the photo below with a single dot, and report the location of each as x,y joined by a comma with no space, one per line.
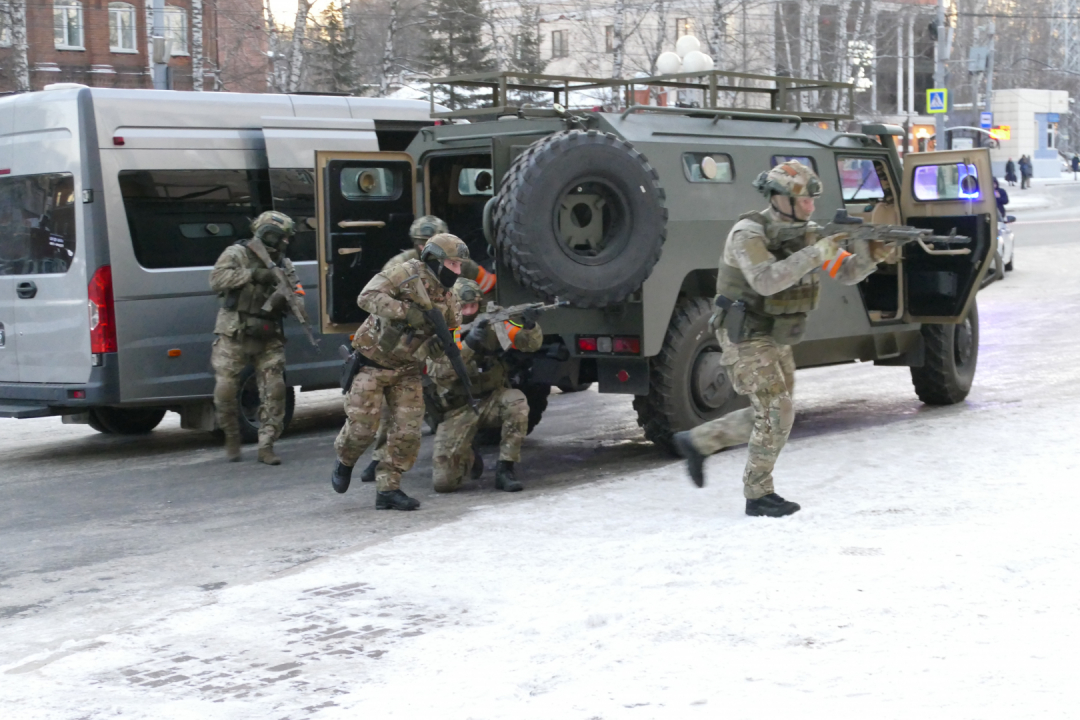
291,143
948,191
9,357
365,203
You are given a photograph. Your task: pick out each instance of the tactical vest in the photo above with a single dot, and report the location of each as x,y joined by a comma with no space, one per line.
248,301
782,242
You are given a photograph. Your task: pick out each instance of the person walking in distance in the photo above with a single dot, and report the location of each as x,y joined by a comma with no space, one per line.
767,284
393,344
249,333
1010,172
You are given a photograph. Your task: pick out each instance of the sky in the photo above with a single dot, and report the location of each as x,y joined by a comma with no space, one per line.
285,10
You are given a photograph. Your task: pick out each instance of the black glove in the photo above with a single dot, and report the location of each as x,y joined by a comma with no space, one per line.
414,317
475,337
529,316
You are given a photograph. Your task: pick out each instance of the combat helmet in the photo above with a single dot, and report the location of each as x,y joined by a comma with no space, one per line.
444,246
272,223
426,227
791,179
468,291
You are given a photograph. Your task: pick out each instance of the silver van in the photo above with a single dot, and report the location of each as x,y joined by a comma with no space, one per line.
113,206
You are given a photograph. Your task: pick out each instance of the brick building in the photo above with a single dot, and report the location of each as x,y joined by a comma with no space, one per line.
104,43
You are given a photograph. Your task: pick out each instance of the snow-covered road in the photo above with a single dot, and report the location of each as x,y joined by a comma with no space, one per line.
931,574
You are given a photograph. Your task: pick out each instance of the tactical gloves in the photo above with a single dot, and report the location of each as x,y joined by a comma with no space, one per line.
830,246
529,317
414,317
475,337
263,276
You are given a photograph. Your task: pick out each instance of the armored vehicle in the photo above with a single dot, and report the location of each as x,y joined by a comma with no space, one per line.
624,213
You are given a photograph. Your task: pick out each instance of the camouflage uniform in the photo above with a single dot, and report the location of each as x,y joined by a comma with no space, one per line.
396,353
771,263
499,404
248,335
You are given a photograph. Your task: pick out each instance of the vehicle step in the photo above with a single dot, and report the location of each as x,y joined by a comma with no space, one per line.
16,410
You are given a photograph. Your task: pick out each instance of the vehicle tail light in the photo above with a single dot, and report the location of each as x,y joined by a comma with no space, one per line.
586,344
628,345
102,314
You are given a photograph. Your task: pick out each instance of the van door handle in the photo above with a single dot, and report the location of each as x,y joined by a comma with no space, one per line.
26,290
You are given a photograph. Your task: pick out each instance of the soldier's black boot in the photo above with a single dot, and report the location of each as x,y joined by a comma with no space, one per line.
369,472
505,478
695,461
772,505
341,478
477,465
395,500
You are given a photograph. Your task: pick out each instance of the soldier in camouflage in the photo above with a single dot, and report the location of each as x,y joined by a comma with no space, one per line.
248,334
771,264
420,231
483,351
394,342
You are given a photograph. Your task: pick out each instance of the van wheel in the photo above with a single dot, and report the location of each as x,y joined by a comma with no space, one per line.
952,352
537,397
125,421
580,216
687,384
249,406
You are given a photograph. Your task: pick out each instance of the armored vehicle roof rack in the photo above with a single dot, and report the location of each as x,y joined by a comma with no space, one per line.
766,97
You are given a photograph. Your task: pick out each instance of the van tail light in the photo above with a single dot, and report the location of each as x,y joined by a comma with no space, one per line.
102,314
628,345
586,344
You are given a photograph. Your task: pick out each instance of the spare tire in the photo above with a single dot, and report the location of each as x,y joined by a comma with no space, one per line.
580,216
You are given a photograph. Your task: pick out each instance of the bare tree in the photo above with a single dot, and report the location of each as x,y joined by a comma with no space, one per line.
13,14
296,55
197,45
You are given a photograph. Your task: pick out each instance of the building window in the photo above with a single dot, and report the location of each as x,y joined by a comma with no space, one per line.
68,24
683,26
559,47
1051,135
609,38
121,27
176,29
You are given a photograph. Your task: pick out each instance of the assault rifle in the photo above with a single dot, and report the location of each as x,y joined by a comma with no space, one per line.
499,316
898,235
443,335
294,297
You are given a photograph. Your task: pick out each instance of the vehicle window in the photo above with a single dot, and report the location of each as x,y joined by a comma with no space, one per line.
294,195
804,159
475,181
859,179
370,183
708,167
37,224
186,218
958,181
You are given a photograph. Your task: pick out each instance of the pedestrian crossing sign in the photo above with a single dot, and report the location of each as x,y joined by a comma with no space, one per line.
937,100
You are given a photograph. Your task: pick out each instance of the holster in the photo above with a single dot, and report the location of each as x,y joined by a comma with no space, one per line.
731,316
261,328
353,362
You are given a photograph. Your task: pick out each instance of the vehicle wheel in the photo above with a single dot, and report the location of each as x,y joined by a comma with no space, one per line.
580,216
1009,265
996,272
569,387
125,421
537,396
952,352
249,406
687,383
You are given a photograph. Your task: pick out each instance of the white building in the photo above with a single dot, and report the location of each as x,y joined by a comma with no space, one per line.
1032,117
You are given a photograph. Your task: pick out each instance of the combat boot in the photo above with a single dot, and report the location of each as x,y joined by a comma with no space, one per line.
695,461
341,477
771,505
477,465
395,500
232,448
267,456
505,478
369,472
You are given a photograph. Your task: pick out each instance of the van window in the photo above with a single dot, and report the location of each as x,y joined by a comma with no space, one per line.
37,224
859,179
708,167
186,218
475,181
957,181
294,195
370,183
